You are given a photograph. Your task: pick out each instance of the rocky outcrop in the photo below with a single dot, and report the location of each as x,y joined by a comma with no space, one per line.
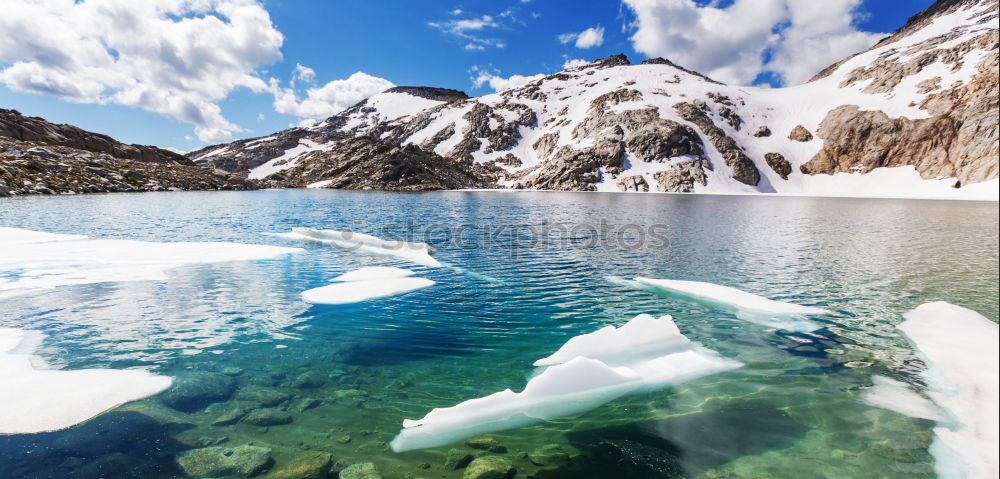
16,126
800,133
366,163
431,93
633,183
682,176
241,461
741,165
779,164
27,169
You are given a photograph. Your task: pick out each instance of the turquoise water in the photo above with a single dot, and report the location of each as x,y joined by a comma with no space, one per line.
524,272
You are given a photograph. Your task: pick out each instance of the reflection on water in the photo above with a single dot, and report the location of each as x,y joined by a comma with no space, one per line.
346,376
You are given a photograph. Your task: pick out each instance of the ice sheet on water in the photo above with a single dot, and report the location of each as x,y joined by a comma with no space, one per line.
36,260
893,395
573,382
374,272
419,253
364,284
357,291
960,348
746,306
35,399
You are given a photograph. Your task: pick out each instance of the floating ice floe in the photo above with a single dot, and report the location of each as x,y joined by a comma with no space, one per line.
419,253
896,396
644,354
960,348
364,284
35,260
746,306
34,399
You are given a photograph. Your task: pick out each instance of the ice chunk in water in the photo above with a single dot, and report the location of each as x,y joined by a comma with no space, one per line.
960,348
357,291
419,253
47,260
374,272
35,399
364,284
746,306
895,396
642,336
645,353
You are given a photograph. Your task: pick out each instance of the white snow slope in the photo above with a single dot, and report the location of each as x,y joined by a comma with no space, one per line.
561,102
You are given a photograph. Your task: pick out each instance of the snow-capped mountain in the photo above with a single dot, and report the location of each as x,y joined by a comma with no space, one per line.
916,115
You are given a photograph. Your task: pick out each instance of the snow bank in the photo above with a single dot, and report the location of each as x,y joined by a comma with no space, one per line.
37,261
574,383
419,253
364,284
35,399
961,348
746,306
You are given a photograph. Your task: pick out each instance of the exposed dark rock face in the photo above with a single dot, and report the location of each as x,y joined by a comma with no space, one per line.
762,132
779,164
741,165
16,126
364,163
27,169
959,140
800,133
633,183
682,176
431,93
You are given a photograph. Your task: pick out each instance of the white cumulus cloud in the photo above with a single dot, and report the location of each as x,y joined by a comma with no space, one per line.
482,76
591,37
176,58
729,44
574,62
334,96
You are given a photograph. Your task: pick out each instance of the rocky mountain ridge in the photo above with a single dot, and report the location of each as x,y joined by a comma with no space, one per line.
916,115
38,157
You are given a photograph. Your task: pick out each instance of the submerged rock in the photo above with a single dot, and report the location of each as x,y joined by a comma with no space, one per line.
194,391
267,417
489,467
486,444
549,455
457,459
308,380
364,470
310,465
262,396
243,460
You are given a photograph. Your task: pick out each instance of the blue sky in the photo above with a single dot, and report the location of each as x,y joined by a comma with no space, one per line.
215,83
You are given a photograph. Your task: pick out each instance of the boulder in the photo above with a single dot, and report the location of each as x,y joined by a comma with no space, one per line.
194,391
244,461
779,164
364,470
489,467
800,133
310,465
267,417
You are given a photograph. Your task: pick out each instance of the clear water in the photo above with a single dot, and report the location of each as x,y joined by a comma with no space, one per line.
526,271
